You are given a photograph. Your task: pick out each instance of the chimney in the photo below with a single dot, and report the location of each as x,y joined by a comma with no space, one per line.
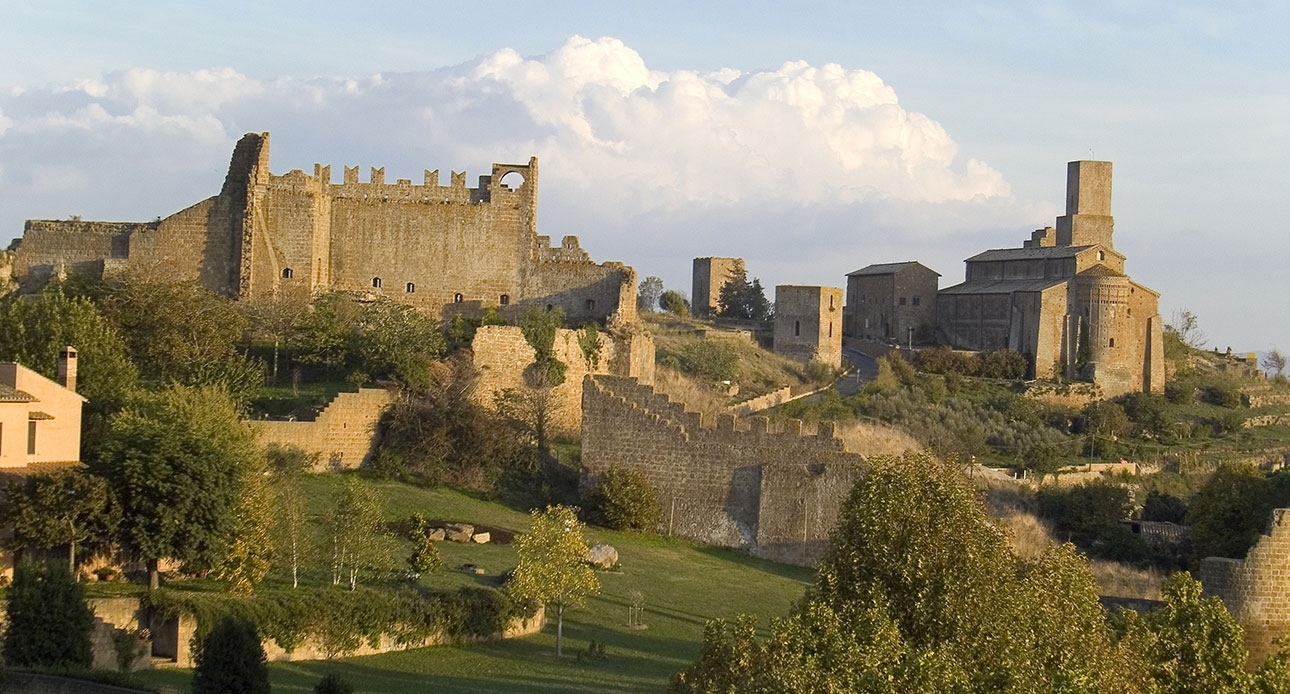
67,368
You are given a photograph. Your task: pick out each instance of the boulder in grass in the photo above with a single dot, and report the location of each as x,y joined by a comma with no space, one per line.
436,535
480,538
602,556
458,532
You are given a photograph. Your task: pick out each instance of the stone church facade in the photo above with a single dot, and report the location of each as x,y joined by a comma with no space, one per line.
1063,299
443,249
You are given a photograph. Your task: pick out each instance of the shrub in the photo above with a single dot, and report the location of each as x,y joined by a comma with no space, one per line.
1103,418
49,624
1119,544
1148,412
231,659
818,372
624,500
1164,508
710,359
425,558
1090,508
1002,363
1223,394
333,684
673,301
1180,392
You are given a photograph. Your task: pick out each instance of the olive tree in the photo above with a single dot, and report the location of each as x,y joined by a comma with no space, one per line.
552,566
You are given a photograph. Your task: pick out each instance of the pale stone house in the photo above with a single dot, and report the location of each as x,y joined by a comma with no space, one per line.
40,419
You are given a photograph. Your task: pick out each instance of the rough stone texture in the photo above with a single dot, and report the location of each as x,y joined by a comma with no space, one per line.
503,357
437,535
458,532
737,482
342,434
444,249
481,538
1037,299
885,300
602,556
808,323
1256,590
710,275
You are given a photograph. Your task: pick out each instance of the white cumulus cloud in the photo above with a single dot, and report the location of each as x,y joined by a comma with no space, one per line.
816,159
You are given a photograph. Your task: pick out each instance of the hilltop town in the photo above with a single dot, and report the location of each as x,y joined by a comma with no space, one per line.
365,417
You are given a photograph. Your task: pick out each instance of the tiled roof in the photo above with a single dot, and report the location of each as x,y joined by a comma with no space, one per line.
888,268
10,394
1028,253
1002,286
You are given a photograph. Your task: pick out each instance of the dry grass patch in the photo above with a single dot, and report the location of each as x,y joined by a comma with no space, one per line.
874,439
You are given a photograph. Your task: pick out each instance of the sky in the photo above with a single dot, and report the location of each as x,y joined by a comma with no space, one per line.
809,138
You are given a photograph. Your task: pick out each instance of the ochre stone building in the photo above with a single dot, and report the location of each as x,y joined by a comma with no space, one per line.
40,419
1063,298
444,249
808,323
709,276
886,300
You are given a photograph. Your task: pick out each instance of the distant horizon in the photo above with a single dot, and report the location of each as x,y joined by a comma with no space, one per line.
882,135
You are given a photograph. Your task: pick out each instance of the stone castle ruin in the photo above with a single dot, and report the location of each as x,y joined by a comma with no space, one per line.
443,249
749,483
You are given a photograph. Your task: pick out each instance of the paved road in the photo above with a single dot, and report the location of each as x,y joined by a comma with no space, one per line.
866,369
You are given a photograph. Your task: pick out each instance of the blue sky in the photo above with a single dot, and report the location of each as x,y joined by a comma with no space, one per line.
810,138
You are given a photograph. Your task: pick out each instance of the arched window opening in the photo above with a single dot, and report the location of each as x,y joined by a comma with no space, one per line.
457,298
506,299
1101,255
376,282
411,288
1113,342
287,273
512,180
797,328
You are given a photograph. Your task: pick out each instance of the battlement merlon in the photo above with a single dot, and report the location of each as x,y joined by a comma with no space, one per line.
489,185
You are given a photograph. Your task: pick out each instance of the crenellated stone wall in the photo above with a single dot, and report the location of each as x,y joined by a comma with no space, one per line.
343,434
772,490
1257,589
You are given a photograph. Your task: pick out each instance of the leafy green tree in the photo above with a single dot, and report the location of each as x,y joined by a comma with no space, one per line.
246,561
711,360
1274,362
649,293
674,302
275,319
919,591
231,660
179,331
48,623
1229,513
1190,645
177,461
741,299
425,558
325,330
34,329
356,536
290,525
1088,509
67,507
590,344
395,341
552,566
333,684
1159,506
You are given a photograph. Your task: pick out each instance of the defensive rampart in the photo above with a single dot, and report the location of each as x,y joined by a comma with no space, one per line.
1257,589
342,434
774,491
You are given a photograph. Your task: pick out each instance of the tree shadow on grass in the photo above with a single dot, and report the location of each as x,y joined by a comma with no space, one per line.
796,573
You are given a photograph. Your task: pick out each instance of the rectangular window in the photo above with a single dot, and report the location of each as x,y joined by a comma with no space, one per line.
915,301
31,437
902,301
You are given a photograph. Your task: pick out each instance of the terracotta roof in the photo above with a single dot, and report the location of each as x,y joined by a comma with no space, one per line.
889,268
10,394
1100,271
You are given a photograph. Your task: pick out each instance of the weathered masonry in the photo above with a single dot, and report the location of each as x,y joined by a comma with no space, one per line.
1063,298
1256,590
735,482
444,249
808,323
891,301
709,276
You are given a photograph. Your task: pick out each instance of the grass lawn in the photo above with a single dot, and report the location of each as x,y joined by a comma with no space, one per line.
684,586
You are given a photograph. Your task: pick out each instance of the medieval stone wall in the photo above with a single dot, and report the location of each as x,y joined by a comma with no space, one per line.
808,323
1257,589
73,245
735,482
503,358
709,276
342,434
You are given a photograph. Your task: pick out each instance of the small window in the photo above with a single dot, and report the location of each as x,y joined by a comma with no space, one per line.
287,273
1101,255
457,298
916,300
412,288
31,437
797,328
1113,342
506,299
902,301
830,328
376,282
830,301
591,304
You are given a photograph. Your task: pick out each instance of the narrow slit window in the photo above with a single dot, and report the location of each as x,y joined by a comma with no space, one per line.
506,299
797,328
412,288
376,282
457,298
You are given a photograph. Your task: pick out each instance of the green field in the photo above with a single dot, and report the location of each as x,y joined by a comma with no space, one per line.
684,586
